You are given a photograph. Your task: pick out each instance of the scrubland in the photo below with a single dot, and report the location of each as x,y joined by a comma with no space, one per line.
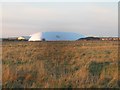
64,64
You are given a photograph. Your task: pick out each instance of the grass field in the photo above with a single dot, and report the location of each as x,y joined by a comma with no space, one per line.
75,64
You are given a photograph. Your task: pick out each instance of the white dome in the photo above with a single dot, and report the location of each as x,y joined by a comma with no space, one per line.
55,36
36,37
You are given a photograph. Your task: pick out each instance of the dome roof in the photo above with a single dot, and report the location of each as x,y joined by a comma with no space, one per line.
36,37
55,36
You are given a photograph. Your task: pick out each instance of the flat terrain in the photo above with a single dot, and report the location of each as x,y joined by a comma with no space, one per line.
75,64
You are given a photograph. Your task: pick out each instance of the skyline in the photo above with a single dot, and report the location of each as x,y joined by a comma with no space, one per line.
86,18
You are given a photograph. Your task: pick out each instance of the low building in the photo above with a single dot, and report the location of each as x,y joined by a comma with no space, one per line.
23,38
109,38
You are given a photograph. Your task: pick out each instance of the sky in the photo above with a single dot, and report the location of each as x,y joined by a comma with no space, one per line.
87,18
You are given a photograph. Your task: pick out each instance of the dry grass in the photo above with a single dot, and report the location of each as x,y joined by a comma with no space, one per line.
78,64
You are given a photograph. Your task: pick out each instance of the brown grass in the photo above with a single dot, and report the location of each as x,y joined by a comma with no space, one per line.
60,64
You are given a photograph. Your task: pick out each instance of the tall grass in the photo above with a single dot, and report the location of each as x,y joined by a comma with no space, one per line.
76,64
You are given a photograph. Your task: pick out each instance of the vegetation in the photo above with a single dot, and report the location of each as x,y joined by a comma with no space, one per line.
96,68
64,64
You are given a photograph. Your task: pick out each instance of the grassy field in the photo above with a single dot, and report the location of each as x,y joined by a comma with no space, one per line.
76,64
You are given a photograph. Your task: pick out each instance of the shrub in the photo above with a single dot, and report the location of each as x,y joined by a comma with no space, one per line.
95,68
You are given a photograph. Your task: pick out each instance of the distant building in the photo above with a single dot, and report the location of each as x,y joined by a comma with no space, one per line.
109,38
55,36
23,38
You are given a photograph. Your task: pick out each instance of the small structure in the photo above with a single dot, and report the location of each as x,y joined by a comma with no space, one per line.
23,38
109,38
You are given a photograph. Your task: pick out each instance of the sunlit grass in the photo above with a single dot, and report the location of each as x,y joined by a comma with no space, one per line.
76,64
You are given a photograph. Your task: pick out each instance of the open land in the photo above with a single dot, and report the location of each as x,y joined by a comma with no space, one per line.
64,64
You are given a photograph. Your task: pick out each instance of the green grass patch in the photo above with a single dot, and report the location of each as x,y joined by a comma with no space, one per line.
95,68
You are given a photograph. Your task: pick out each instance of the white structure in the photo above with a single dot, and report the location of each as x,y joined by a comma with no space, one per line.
23,38
36,37
55,36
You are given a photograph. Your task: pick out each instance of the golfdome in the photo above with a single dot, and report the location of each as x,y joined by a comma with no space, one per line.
55,36
36,37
